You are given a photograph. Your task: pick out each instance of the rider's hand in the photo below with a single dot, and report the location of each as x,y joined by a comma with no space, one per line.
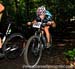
52,23
28,23
49,23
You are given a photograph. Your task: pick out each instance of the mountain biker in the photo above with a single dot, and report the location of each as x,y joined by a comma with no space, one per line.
46,17
1,12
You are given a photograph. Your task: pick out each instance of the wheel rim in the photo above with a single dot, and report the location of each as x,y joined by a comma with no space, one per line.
15,45
34,53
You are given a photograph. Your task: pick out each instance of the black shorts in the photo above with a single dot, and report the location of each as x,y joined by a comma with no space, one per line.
2,30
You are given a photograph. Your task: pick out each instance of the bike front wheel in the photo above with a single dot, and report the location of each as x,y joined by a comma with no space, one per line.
13,45
33,51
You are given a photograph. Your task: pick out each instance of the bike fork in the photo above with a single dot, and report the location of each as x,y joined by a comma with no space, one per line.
43,41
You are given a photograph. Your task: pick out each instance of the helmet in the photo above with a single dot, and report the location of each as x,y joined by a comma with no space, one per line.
40,10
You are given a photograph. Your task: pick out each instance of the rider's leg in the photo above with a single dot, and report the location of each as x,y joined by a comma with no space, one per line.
46,29
0,43
1,52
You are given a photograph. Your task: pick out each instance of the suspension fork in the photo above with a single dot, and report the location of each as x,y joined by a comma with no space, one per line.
7,31
43,38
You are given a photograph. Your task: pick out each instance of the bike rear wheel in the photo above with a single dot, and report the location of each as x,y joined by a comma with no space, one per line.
13,46
33,51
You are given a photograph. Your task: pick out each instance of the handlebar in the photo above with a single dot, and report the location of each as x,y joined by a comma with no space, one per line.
38,24
43,24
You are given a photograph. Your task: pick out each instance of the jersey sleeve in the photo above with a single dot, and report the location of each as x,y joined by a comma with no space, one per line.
38,19
49,15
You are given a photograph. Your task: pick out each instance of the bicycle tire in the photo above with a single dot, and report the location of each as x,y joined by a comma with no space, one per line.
9,53
26,51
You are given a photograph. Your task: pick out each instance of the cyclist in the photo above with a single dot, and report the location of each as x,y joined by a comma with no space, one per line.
46,17
1,11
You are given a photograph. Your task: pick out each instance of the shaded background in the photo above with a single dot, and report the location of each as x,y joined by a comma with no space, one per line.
22,11
25,10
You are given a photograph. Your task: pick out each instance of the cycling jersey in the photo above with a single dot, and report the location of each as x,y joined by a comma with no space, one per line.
38,19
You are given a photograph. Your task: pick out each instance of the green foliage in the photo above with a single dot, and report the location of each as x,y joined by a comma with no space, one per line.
70,54
61,9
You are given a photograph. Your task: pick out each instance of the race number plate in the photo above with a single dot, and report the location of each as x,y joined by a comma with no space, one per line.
37,25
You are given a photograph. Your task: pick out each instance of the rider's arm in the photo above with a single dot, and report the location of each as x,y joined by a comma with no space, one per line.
49,15
35,20
31,23
1,8
50,20
51,23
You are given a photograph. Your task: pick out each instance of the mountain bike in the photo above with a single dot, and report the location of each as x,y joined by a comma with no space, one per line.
11,42
35,45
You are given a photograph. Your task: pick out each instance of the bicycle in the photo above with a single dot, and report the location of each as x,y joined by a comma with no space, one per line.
11,42
35,45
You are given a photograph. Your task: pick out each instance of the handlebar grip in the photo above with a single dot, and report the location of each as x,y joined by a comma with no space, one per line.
43,24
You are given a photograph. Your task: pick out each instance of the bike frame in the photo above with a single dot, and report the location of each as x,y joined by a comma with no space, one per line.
7,32
40,34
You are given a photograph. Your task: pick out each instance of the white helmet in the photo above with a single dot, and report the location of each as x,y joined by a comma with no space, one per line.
40,10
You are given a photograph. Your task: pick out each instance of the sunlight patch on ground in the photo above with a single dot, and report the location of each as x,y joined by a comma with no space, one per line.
61,44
